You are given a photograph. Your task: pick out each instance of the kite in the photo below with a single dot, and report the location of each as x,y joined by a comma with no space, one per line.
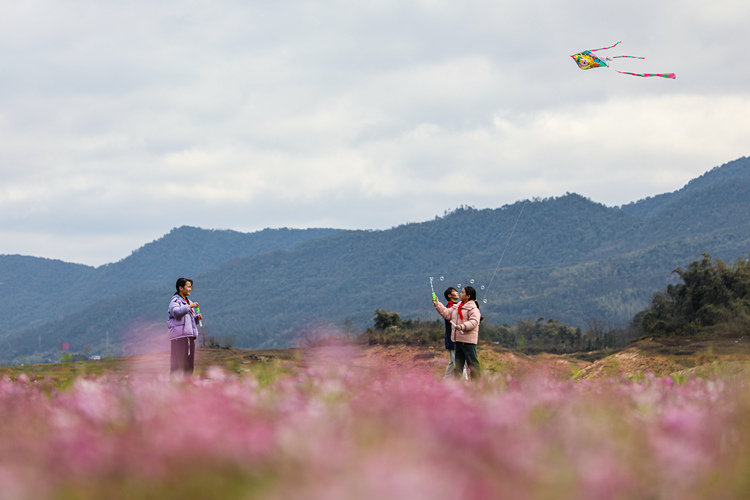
587,60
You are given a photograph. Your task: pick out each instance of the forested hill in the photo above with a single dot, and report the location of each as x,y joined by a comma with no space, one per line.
727,173
35,290
568,259
190,250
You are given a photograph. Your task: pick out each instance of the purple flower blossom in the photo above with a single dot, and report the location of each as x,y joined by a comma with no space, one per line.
340,433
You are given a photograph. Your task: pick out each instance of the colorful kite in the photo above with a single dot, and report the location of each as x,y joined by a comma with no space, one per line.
587,60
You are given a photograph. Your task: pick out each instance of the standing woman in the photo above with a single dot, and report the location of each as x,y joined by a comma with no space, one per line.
182,329
464,318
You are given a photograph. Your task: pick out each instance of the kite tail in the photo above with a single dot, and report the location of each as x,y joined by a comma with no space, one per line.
629,57
671,76
605,48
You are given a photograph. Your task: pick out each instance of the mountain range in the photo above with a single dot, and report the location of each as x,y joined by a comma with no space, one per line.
566,258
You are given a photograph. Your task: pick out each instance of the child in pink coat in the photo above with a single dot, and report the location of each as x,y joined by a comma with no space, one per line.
465,318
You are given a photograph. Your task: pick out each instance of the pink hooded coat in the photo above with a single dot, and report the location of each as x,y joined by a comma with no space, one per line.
469,332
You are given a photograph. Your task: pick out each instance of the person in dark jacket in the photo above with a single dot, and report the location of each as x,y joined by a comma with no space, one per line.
451,295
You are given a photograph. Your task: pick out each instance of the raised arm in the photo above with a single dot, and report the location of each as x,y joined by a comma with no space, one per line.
442,310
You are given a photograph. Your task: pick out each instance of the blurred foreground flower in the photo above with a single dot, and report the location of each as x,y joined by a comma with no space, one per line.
344,434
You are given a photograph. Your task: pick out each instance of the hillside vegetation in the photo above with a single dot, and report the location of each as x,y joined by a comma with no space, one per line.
569,259
35,291
713,298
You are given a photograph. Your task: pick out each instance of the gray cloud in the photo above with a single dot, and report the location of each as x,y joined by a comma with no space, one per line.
121,121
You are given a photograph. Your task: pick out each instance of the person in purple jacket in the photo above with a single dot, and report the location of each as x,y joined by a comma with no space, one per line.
182,328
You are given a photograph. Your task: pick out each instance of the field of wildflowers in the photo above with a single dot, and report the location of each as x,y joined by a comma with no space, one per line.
330,432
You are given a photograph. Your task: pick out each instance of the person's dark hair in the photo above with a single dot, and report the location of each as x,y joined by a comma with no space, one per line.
473,296
181,283
448,292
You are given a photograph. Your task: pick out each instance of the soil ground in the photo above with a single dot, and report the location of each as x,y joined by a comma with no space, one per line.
661,357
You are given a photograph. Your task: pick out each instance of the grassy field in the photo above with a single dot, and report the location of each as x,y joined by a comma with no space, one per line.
661,357
660,419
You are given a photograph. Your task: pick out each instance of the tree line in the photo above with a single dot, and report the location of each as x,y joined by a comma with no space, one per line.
528,336
712,299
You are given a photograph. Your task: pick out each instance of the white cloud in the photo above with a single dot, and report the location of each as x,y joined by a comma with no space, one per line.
291,113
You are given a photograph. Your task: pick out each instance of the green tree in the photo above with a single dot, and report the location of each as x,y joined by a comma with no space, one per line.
711,291
383,319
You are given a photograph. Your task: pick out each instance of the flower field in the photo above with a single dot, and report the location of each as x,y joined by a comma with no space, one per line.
331,432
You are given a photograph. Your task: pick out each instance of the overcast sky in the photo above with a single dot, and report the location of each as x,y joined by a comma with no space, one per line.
122,120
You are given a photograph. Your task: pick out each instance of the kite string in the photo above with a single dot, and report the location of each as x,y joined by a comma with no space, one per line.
487,289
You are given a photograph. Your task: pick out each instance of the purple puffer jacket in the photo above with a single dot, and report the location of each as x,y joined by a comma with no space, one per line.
181,320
